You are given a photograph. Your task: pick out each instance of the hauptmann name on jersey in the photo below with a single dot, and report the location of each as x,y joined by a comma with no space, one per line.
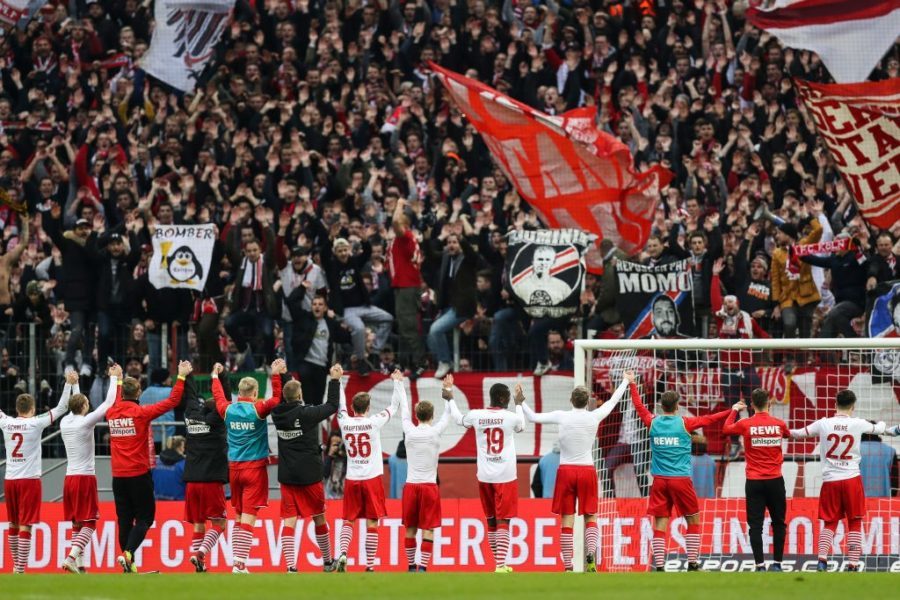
364,427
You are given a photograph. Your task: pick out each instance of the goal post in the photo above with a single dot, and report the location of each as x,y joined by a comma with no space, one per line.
802,376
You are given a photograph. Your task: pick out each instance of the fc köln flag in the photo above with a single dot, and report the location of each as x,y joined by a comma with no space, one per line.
185,35
850,36
860,123
570,172
19,12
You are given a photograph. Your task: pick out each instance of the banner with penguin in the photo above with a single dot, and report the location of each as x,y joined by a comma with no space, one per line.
181,256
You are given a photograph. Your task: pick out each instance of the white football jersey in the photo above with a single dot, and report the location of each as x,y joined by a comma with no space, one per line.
78,433
22,437
495,430
423,444
839,444
362,440
577,428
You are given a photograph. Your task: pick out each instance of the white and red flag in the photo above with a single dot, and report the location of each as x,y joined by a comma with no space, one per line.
860,124
184,39
850,36
573,174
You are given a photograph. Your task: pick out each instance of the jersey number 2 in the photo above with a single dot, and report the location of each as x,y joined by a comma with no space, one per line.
836,440
358,445
494,438
18,438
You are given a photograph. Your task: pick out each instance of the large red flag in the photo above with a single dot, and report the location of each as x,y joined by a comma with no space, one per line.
860,123
850,36
570,172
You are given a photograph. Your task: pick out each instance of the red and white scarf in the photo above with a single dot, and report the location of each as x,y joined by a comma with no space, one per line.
252,274
792,266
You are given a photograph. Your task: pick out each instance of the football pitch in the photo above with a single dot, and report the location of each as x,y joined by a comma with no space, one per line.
434,586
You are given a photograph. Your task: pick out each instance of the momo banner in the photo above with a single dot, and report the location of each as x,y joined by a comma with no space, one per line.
181,256
546,270
860,124
184,39
461,543
656,302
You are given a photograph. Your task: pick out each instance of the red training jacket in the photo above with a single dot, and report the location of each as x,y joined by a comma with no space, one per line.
762,435
129,429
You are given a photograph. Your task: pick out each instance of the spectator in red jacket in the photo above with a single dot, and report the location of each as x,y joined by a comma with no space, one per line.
404,260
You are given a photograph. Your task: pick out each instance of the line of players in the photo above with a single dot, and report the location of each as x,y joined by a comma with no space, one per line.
227,441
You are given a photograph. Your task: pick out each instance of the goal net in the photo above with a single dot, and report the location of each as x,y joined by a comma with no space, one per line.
803,377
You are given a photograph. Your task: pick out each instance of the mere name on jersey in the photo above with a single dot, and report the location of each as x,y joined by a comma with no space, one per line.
122,427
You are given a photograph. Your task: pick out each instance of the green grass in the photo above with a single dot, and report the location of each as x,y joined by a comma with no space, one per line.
455,586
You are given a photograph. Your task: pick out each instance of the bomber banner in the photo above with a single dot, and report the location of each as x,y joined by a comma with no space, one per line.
546,270
181,256
860,123
461,544
656,302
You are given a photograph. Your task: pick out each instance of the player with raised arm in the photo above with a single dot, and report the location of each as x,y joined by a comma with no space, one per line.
248,454
576,480
129,445
80,500
363,488
763,435
670,465
205,474
300,466
842,495
495,428
22,438
421,495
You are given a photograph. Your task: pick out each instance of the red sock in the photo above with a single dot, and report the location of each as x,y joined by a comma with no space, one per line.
323,539
502,544
854,541
567,547
197,541
409,545
13,538
371,546
492,539
209,540
287,547
692,540
591,539
826,540
24,549
346,536
427,549
82,538
659,548
240,545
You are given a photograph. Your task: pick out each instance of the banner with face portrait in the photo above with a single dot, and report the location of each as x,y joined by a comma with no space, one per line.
656,302
545,270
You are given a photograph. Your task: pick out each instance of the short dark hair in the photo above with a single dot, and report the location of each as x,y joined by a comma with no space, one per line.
361,403
424,411
759,398
669,401
580,397
697,234
499,394
845,399
24,404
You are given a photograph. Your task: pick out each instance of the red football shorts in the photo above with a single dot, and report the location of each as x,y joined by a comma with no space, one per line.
302,500
80,501
364,499
669,492
499,500
23,501
204,501
249,490
421,505
842,499
576,482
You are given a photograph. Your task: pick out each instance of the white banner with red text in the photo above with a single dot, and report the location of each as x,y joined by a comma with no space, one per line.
461,543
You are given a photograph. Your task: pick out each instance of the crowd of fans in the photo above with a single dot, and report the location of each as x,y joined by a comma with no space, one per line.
358,212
